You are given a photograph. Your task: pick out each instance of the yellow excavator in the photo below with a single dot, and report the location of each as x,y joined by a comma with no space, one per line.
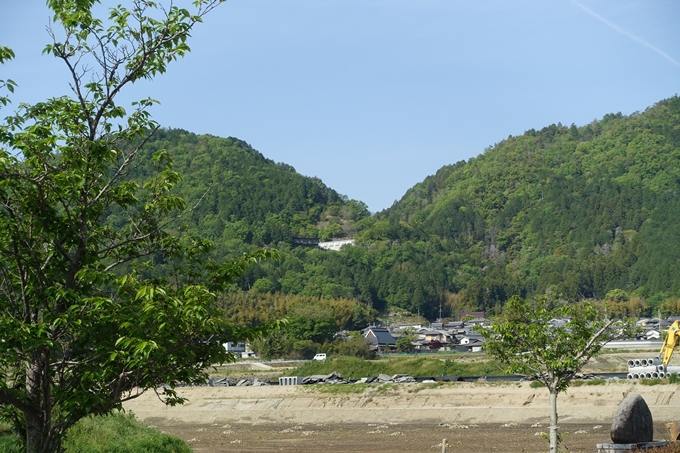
673,428
672,337
657,367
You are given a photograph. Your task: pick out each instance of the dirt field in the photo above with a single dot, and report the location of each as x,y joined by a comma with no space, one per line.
381,438
473,417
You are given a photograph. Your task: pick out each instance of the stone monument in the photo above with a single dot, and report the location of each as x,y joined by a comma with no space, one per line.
632,421
632,427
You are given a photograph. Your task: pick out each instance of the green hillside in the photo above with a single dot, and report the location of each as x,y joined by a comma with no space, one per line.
573,211
240,198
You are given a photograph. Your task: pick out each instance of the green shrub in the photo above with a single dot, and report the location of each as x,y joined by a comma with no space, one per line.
654,381
119,433
536,384
580,382
10,443
303,349
337,389
673,378
353,347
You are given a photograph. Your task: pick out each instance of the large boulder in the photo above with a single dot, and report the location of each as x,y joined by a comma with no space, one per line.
632,421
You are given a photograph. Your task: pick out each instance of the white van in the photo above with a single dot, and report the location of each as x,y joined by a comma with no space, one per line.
320,356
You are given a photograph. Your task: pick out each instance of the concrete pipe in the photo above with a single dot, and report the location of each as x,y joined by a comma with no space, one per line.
643,362
661,367
630,376
637,362
643,369
648,375
672,369
662,374
631,363
655,375
636,376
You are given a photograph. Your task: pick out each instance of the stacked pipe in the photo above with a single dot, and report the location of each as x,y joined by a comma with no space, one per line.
650,368
667,370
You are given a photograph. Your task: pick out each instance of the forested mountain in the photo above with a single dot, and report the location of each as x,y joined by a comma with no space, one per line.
573,211
239,198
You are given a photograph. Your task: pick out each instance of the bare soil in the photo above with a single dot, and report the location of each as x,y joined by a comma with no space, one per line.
473,417
383,438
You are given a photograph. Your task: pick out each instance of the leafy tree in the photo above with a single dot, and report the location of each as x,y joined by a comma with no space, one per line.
303,349
404,343
356,346
311,324
84,327
272,346
523,339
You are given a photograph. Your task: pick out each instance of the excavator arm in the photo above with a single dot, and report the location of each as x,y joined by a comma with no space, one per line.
669,343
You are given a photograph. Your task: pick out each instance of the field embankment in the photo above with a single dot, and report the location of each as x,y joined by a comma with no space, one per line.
406,403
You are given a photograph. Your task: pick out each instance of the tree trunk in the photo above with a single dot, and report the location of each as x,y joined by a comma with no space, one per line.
39,415
554,438
34,441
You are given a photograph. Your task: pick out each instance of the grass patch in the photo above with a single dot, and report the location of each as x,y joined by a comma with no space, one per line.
115,433
656,381
386,388
429,385
119,433
9,441
340,389
349,389
536,385
582,382
416,366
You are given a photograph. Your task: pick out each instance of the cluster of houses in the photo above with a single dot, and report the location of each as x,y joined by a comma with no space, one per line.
459,336
463,336
653,328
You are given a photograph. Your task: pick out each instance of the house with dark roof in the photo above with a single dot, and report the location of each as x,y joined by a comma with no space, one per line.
380,339
470,343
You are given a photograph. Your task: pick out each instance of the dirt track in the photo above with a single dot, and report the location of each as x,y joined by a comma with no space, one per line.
506,417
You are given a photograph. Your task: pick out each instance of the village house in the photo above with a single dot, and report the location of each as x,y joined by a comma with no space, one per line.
380,338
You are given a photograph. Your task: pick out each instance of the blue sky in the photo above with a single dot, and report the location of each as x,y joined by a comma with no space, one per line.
372,96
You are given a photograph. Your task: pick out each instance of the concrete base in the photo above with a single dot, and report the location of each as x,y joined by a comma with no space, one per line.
642,446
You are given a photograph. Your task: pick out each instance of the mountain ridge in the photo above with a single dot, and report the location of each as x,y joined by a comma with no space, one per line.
571,211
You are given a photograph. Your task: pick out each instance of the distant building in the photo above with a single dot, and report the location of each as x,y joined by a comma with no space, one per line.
240,348
470,314
326,245
380,339
237,347
305,241
335,245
